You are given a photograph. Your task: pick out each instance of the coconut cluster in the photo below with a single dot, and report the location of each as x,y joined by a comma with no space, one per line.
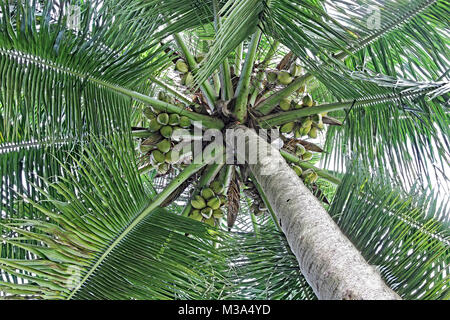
308,176
187,79
302,153
306,126
283,77
207,206
159,143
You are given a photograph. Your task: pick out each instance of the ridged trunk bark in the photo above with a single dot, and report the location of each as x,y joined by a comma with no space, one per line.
331,264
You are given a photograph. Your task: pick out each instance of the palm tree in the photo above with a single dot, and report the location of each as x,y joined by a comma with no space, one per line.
97,202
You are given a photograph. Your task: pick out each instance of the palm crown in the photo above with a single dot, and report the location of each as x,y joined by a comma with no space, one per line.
97,202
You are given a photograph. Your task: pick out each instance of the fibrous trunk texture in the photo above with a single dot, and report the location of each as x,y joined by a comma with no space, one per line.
331,264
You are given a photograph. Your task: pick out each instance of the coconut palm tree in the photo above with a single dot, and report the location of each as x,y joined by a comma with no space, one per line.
112,186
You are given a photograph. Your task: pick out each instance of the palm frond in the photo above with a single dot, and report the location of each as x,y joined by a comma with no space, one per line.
333,30
401,234
401,133
102,236
264,268
168,16
48,103
411,45
239,20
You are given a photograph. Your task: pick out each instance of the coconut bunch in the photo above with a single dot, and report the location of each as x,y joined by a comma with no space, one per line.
302,153
187,79
208,205
308,176
159,143
283,77
307,126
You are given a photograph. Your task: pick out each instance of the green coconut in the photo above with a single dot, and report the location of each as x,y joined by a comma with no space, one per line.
187,80
164,146
300,150
196,215
163,168
218,214
174,119
313,133
271,77
207,212
285,104
157,157
166,131
148,113
214,203
307,172
307,123
210,222
163,119
297,132
307,101
154,125
307,156
311,177
163,96
284,78
185,122
181,66
217,187
172,156
287,127
297,170
295,70
207,193
198,202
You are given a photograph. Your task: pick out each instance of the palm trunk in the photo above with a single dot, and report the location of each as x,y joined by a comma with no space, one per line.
331,264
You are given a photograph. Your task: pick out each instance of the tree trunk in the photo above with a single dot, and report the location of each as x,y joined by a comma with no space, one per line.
333,267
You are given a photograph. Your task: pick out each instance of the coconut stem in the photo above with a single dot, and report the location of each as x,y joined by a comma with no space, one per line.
238,58
243,87
288,116
225,74
266,202
253,218
207,121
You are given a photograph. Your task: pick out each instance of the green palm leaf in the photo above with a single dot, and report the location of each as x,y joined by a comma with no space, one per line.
102,216
404,235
